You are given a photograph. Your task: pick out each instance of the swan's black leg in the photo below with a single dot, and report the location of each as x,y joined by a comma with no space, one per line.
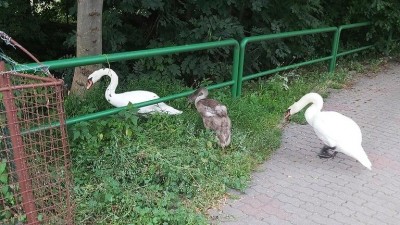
325,152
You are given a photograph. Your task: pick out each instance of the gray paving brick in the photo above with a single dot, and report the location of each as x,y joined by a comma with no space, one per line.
322,211
253,202
297,220
337,208
318,218
297,211
331,198
379,208
291,200
272,220
295,187
309,198
231,213
387,219
345,219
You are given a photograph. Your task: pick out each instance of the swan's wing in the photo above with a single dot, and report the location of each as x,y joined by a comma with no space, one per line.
140,96
219,124
211,108
123,99
333,128
221,110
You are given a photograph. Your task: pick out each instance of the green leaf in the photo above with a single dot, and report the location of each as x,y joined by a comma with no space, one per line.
109,197
76,134
6,214
174,69
3,165
4,190
4,178
128,132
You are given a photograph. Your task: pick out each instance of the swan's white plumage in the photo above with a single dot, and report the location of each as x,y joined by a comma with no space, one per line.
334,129
123,99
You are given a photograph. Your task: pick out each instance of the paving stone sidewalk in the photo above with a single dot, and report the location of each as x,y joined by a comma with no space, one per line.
296,187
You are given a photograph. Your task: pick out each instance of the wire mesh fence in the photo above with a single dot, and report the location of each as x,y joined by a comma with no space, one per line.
35,179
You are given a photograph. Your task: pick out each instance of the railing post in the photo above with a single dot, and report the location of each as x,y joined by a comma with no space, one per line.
335,48
235,70
243,44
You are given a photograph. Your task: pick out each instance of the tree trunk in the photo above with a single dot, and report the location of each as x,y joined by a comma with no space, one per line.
88,40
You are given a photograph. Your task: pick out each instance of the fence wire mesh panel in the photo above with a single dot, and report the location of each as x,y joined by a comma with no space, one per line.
35,178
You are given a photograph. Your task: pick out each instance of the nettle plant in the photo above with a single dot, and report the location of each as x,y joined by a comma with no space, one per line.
116,128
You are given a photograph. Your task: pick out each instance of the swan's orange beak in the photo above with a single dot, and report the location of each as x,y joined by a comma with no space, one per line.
287,115
89,83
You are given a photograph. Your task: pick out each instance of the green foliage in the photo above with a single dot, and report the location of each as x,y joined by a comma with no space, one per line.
9,214
106,130
39,26
133,25
384,15
4,3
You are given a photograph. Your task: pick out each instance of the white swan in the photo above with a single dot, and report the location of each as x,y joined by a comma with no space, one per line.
123,99
338,132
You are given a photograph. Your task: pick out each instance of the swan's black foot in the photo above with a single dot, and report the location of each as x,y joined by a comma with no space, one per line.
326,154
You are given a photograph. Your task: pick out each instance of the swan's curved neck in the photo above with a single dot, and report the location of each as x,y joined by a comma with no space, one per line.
198,99
314,108
113,83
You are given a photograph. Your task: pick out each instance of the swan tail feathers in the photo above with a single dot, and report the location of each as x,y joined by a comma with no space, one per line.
363,159
168,109
224,131
224,138
359,154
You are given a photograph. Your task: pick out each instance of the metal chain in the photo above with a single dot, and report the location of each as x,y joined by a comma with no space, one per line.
9,41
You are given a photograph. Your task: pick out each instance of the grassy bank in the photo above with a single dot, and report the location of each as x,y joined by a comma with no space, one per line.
169,169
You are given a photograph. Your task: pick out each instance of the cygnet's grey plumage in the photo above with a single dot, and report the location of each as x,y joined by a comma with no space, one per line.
214,114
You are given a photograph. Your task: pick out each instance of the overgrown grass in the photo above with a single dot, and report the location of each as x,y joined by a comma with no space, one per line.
168,169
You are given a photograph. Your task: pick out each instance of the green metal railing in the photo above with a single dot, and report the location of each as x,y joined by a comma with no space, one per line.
237,67
332,57
88,60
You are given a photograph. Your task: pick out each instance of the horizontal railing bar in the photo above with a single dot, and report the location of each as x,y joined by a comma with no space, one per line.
138,105
287,34
89,60
109,112
355,50
267,72
25,86
354,25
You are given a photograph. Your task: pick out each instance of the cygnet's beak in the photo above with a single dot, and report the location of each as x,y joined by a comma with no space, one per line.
287,115
191,98
89,83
